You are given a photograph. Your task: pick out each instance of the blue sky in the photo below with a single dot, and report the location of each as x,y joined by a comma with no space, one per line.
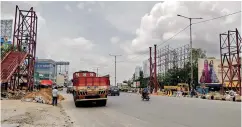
85,33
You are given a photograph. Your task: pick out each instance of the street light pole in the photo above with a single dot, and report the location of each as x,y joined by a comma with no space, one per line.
190,19
115,57
97,71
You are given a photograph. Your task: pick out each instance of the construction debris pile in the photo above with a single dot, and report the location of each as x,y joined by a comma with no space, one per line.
43,96
13,95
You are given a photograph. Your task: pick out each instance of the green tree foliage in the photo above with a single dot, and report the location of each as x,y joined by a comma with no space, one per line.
129,82
5,48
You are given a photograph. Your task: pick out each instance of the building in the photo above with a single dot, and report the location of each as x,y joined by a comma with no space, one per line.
46,68
60,79
62,68
146,68
137,72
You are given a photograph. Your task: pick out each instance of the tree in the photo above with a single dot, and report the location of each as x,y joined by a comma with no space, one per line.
141,79
133,77
129,82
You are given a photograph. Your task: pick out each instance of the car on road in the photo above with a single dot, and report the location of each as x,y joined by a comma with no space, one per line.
130,91
113,91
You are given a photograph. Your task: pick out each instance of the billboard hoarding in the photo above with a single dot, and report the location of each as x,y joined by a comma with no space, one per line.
209,71
136,84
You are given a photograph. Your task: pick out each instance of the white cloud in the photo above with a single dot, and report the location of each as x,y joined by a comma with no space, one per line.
89,10
80,5
77,43
162,23
30,3
41,21
102,5
68,8
91,2
131,11
114,40
78,51
145,24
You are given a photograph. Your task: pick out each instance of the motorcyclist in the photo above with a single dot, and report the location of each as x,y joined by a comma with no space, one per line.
145,92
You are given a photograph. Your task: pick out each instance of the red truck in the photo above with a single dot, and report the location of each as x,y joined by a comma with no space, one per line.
87,87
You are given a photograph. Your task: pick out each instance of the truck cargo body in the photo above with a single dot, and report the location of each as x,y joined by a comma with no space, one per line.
89,88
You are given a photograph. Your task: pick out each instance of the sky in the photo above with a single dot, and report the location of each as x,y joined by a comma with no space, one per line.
85,33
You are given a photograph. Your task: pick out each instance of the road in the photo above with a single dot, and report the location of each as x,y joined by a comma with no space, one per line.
127,110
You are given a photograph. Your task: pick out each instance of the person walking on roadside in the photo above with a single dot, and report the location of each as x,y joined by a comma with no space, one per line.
54,96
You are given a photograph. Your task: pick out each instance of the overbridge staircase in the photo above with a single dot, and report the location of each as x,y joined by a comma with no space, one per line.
10,63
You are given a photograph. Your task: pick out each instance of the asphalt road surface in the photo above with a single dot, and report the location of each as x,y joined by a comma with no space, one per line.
128,110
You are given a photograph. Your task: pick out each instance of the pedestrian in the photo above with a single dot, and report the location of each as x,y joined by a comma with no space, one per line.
54,96
192,93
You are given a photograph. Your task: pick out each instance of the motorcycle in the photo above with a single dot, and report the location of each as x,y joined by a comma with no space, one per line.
145,97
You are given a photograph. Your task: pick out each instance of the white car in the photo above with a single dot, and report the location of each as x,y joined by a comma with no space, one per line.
130,91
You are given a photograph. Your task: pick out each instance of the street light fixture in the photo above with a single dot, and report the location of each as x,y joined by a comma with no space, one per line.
190,19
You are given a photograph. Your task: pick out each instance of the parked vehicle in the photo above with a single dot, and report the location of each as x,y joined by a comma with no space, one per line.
69,89
113,91
89,88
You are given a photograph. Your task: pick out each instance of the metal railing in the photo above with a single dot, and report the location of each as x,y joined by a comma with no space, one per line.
6,51
6,72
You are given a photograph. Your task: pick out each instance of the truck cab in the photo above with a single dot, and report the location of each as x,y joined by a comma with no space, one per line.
89,88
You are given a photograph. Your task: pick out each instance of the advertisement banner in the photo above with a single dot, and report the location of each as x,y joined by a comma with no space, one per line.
138,84
209,71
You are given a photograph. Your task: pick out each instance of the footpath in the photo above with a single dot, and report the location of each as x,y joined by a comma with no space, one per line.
33,110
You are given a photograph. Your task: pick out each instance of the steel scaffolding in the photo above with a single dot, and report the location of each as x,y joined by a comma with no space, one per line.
24,38
169,58
230,50
6,28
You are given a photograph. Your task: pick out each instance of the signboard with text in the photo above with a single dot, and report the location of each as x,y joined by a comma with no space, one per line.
43,66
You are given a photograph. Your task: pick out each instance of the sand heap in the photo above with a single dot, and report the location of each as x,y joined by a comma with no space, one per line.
42,96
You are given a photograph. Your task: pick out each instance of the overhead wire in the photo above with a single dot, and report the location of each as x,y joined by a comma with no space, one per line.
184,30
161,43
173,36
217,17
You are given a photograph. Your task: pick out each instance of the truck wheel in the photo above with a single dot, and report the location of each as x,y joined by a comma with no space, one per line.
76,104
103,103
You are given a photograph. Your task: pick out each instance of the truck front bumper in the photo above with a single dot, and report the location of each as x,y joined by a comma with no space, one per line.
93,99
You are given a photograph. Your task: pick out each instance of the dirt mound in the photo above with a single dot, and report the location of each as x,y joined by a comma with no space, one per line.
42,96
13,95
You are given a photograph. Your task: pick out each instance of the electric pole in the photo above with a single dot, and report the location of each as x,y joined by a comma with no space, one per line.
190,19
115,57
95,68
97,71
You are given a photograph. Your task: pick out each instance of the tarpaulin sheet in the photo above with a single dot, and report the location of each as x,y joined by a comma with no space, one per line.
46,82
